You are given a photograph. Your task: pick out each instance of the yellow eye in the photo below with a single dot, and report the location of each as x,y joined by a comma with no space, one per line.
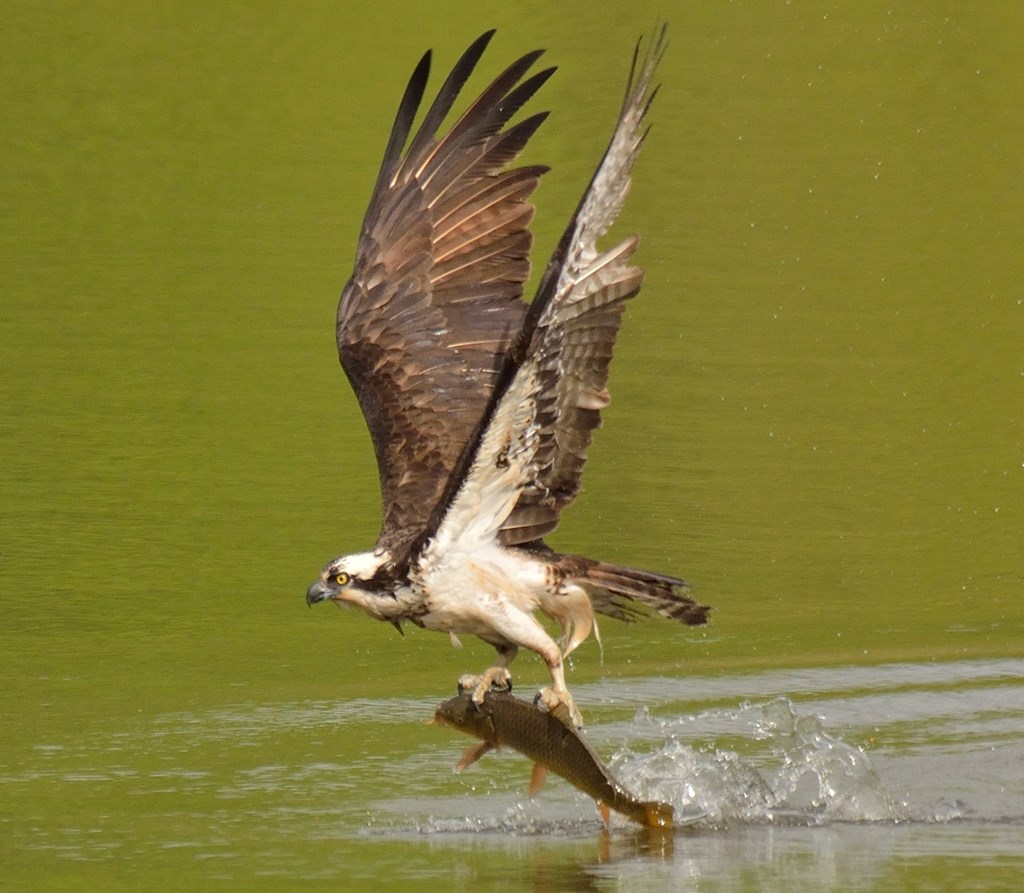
342,579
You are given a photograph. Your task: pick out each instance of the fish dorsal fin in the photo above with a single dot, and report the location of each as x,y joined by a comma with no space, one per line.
472,754
538,776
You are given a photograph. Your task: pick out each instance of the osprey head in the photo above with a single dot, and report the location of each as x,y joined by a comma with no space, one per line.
350,580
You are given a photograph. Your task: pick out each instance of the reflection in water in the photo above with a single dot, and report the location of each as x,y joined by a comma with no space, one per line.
842,779
780,795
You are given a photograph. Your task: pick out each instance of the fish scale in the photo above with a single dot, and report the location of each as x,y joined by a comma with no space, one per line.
553,743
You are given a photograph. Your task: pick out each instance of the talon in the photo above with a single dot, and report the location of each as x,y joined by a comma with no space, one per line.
496,678
560,704
467,682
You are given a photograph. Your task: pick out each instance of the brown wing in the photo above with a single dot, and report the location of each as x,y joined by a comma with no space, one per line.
578,311
436,297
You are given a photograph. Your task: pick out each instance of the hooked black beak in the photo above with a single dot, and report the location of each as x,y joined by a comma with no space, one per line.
318,592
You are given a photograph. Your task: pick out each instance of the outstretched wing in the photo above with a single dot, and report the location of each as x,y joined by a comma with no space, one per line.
579,308
425,322
524,464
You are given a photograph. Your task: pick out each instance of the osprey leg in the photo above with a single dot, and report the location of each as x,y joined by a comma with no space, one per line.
510,624
496,676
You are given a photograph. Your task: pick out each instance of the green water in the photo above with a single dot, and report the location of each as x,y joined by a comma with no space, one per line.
817,405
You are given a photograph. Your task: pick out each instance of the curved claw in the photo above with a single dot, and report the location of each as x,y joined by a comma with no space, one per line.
560,704
497,678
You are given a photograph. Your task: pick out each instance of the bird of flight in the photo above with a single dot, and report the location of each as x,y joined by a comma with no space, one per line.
480,406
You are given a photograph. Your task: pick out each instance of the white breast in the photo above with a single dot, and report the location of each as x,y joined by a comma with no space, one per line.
472,594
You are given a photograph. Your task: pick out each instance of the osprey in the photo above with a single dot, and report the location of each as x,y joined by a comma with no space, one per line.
481,407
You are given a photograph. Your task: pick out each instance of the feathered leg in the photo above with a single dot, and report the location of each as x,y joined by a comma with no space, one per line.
513,625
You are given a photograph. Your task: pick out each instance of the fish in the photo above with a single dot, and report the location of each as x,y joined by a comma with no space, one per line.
554,743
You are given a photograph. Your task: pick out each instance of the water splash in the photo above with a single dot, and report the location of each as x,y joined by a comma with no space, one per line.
791,771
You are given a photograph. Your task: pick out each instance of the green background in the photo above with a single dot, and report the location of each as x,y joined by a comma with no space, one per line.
817,399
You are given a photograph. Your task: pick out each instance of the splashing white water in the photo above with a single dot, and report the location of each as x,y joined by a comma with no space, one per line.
792,770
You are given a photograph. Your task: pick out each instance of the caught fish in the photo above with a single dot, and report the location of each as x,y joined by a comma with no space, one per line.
553,742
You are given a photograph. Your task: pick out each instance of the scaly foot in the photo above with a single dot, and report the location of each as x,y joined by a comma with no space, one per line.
560,703
492,677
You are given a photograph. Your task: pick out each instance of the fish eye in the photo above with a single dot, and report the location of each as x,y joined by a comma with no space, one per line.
342,579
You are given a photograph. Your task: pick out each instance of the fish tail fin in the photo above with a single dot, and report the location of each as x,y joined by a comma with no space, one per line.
616,590
658,815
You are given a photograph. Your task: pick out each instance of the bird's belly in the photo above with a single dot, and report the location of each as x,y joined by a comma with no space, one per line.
476,597
481,614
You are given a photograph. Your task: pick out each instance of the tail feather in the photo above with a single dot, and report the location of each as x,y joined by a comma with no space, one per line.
620,592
